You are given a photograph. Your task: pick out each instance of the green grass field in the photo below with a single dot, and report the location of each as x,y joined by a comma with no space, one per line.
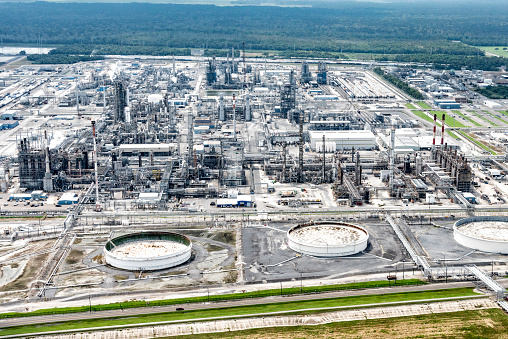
450,121
410,106
495,117
477,143
484,119
453,135
423,105
505,113
221,297
296,306
424,116
492,49
474,123
489,323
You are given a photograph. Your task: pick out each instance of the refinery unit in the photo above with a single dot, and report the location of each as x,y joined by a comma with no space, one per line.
175,172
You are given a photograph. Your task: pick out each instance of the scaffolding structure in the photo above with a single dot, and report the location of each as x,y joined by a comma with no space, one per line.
456,165
32,166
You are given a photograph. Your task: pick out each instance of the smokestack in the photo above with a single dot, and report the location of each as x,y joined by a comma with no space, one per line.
234,119
97,206
324,158
434,138
127,115
442,131
47,181
300,149
222,116
247,108
392,156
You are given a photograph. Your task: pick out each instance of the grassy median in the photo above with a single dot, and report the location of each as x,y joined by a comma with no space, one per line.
218,297
293,307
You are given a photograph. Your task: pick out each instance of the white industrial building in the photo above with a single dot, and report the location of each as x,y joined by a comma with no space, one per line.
144,149
149,197
407,140
359,139
68,199
492,104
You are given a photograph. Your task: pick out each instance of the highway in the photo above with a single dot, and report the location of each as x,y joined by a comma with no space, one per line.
242,302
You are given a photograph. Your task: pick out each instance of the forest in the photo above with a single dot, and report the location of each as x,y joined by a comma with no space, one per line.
416,31
493,92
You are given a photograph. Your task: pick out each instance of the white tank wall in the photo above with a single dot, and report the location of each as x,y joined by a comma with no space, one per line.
148,264
481,244
328,251
478,243
318,250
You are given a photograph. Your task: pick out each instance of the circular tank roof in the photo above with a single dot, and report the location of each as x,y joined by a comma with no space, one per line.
148,250
327,239
487,234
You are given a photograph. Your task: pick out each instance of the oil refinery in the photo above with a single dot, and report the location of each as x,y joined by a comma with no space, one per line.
133,174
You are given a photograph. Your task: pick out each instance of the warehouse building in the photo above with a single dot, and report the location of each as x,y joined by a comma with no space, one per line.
68,199
236,200
343,140
146,149
9,125
447,104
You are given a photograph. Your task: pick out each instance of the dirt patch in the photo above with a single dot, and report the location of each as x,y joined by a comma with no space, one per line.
120,277
228,237
212,247
33,247
28,275
231,277
73,257
173,273
489,323
99,259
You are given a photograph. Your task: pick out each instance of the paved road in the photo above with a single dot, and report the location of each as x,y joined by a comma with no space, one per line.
202,306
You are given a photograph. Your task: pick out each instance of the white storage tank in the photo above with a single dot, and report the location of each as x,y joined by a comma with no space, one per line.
487,234
148,251
328,239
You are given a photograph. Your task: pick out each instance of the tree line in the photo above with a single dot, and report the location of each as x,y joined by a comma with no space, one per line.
493,92
400,84
354,27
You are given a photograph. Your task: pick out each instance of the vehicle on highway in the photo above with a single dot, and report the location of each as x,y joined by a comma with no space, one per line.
179,308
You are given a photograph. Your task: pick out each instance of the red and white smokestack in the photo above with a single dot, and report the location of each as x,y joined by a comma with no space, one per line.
442,131
435,124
